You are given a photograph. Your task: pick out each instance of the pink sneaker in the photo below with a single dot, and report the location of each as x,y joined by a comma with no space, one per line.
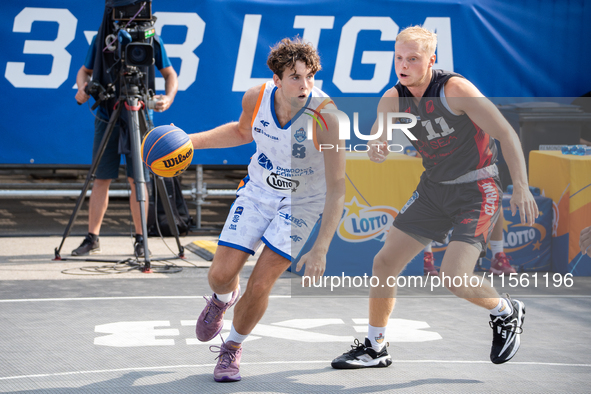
428,266
500,264
228,367
211,319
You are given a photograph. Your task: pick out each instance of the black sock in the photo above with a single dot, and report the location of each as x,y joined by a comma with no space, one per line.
93,237
139,238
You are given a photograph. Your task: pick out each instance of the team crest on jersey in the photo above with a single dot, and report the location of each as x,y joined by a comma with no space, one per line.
264,162
237,214
429,106
300,135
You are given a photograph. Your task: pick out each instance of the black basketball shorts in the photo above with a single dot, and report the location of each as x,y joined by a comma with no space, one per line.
471,209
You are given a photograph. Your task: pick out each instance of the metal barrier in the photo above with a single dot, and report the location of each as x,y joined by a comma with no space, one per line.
198,193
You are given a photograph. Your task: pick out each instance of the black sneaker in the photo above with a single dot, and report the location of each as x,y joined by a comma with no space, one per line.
88,246
506,332
362,356
138,246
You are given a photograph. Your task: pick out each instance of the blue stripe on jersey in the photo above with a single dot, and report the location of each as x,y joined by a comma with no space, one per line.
292,119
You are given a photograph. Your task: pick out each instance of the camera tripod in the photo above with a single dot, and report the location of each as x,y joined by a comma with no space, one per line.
130,98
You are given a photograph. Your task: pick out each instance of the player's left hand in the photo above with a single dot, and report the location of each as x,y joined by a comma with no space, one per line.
315,263
523,200
163,103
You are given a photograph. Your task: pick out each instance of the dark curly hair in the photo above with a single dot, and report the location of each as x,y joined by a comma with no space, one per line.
286,52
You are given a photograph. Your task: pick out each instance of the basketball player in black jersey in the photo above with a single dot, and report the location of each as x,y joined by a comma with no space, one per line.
460,188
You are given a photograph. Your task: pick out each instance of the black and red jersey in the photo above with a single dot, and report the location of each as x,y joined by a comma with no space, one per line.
451,145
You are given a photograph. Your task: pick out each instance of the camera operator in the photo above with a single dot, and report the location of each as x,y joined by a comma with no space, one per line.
103,67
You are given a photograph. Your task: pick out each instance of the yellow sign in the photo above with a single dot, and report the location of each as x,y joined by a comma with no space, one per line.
375,194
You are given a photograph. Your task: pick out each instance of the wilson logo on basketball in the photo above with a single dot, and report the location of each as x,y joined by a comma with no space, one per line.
167,151
175,161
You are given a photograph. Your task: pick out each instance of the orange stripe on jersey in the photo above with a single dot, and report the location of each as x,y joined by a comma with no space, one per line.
490,204
318,109
256,108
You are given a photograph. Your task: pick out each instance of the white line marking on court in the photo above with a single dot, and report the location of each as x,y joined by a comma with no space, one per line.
45,375
116,298
271,296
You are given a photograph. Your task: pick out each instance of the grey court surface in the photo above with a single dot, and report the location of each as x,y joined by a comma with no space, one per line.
84,331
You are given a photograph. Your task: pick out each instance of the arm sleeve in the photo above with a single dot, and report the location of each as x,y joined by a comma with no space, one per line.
90,55
160,57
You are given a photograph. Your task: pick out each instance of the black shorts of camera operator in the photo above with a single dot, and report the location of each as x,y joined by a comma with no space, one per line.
103,66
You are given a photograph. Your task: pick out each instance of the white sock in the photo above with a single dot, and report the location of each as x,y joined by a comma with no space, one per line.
502,309
225,298
234,336
377,337
496,247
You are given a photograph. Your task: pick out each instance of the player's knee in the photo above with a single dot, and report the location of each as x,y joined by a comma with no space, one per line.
454,283
218,277
383,263
380,260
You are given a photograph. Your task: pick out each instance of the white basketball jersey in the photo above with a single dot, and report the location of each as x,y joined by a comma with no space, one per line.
286,161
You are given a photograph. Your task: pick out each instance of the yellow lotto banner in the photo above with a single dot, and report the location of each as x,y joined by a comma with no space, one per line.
375,194
566,179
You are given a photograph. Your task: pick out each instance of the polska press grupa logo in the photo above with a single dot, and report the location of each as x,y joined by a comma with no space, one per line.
362,222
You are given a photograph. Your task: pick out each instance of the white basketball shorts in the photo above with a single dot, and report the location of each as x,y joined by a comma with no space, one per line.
281,223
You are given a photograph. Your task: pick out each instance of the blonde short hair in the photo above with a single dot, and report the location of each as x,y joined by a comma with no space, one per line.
425,38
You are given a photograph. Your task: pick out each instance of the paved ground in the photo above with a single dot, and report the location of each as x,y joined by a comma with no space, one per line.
130,332
99,327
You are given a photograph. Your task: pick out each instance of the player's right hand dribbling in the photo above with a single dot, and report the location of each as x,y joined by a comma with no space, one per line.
378,151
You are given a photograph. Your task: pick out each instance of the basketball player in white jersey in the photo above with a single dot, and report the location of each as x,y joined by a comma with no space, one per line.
290,183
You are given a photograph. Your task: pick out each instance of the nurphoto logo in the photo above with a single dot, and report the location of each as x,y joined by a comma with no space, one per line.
406,121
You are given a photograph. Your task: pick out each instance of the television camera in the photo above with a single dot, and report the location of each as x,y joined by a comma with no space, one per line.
133,34
131,46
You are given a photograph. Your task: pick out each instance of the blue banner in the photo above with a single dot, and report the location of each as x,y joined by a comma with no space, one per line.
219,49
